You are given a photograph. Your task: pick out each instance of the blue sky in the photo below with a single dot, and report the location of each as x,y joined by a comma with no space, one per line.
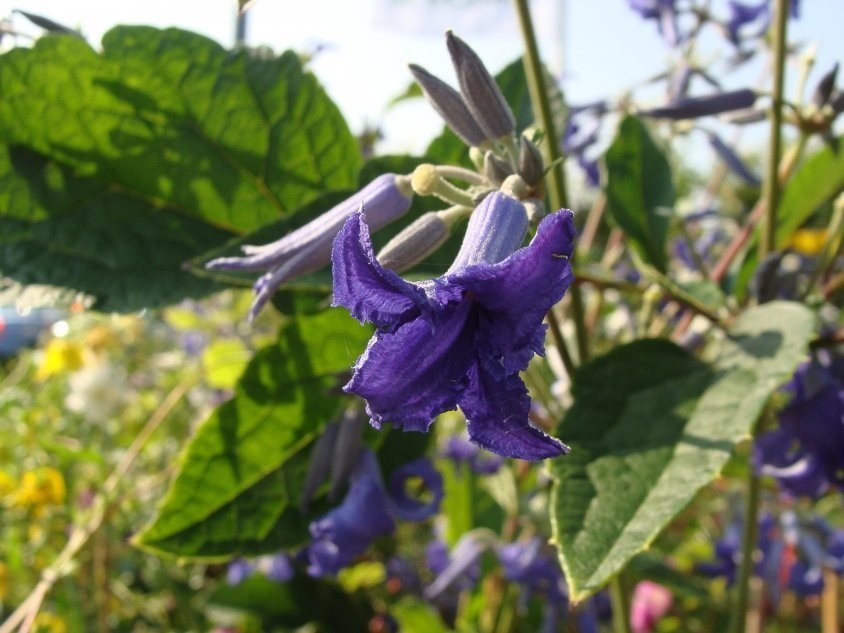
605,47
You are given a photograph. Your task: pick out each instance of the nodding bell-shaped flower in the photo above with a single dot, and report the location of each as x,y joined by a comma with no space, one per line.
696,107
308,248
742,15
460,339
732,160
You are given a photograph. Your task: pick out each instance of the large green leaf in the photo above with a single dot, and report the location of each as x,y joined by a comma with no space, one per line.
650,426
79,233
237,488
640,192
176,125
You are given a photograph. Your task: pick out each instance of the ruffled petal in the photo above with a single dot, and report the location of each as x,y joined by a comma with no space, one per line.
497,418
515,294
410,375
364,287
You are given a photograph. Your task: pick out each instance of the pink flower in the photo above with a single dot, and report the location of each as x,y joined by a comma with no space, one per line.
650,603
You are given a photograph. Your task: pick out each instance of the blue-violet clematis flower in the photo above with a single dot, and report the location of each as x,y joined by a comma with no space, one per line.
349,529
460,339
806,454
664,12
308,248
743,14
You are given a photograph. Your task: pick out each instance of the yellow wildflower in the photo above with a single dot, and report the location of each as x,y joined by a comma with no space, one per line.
808,241
40,488
60,356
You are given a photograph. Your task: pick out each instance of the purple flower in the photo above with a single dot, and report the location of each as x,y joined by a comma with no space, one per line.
308,248
535,567
238,570
743,14
349,529
406,507
581,133
458,570
481,462
806,454
665,14
460,339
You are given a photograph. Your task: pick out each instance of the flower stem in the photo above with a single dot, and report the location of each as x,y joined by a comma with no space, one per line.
768,242
620,606
748,545
557,184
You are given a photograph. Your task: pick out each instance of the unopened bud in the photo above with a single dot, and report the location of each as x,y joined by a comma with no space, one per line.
531,164
319,465
415,242
496,169
694,107
450,106
346,450
535,209
480,92
825,87
746,116
425,179
515,186
732,160
837,103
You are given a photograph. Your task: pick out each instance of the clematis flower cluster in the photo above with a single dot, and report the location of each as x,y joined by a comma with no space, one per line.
806,453
460,339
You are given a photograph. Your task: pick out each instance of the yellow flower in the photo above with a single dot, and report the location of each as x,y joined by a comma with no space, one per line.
49,623
7,484
60,356
40,488
808,241
4,581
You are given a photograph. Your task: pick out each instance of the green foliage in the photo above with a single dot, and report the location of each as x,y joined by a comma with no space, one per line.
651,425
150,153
640,193
237,489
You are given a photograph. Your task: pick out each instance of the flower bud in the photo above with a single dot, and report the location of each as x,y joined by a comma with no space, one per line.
415,242
480,92
319,464
450,106
531,163
496,229
346,450
496,169
732,160
694,107
825,87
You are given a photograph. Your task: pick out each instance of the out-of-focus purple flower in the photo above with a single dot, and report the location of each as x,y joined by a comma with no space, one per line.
349,529
649,605
402,577
238,570
581,133
535,567
460,339
278,568
308,248
455,571
481,462
664,12
742,15
696,107
806,454
406,507
732,160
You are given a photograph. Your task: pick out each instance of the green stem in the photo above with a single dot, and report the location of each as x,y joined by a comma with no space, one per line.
768,242
620,606
556,180
748,547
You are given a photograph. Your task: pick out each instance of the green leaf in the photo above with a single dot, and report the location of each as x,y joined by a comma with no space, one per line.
223,362
640,192
237,489
294,603
188,137
64,230
651,425
415,616
818,179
